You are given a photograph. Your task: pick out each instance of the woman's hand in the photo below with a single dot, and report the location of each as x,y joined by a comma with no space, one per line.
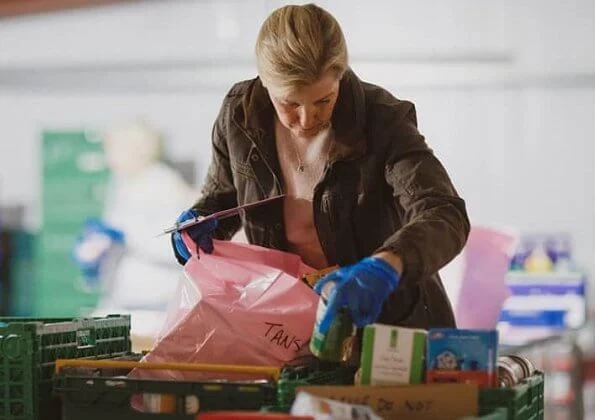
201,234
361,288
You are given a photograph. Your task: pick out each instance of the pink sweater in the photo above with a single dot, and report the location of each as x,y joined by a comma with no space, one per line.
299,185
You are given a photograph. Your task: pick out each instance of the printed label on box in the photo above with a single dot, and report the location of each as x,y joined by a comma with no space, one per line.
467,356
392,355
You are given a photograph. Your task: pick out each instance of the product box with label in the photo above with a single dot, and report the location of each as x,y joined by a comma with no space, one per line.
467,356
392,355
411,402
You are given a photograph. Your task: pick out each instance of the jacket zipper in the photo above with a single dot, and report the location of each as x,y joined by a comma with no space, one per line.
316,202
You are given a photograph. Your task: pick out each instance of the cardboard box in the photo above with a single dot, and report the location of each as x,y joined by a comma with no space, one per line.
411,402
467,356
392,355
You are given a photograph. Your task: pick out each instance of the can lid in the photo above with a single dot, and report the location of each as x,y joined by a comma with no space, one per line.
326,291
525,364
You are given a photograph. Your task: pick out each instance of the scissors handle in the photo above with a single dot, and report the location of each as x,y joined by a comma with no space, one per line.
224,214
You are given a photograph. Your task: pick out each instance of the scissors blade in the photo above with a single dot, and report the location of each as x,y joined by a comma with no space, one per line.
223,214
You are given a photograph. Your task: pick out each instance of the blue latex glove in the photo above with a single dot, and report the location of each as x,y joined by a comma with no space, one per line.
92,247
201,234
361,288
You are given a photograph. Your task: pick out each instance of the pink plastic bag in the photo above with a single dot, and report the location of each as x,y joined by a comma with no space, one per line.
242,304
486,259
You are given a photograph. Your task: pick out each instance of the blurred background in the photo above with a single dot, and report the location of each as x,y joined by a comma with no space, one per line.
505,94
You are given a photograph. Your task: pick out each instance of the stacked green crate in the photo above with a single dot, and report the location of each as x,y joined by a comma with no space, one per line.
73,188
29,348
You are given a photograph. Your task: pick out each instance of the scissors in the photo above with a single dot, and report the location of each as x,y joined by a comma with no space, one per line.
223,214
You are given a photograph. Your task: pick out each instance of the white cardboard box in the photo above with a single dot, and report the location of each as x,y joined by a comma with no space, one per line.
392,355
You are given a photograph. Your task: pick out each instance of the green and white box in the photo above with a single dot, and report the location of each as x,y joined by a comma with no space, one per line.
392,355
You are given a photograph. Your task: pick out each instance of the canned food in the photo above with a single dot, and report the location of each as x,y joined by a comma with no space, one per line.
336,344
513,369
526,364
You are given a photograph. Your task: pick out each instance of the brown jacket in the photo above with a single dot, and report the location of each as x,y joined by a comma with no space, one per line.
382,189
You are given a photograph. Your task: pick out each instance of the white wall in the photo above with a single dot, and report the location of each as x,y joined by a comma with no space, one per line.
505,90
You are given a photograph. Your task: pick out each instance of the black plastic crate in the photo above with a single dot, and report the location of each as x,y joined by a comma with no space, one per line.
101,390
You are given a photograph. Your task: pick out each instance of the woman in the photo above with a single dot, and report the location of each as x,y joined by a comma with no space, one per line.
363,189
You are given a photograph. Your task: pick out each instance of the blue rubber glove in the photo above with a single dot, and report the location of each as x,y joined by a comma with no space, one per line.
93,246
361,288
202,236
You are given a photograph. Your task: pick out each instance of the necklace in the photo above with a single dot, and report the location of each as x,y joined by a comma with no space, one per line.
301,167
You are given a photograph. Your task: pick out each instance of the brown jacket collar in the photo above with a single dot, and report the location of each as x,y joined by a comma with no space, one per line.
255,114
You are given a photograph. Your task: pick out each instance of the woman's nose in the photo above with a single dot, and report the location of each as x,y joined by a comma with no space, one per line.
307,117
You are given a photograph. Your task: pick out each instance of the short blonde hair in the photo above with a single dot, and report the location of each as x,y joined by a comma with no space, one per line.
296,45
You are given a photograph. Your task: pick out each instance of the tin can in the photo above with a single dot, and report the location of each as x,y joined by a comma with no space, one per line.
512,370
335,345
526,364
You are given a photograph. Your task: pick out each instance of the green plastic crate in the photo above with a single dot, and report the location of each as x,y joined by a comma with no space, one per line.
29,347
522,402
319,373
497,414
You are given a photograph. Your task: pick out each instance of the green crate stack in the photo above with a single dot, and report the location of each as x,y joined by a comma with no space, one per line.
522,402
29,348
74,179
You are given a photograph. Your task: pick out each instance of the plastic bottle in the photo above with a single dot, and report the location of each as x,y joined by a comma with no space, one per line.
539,261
